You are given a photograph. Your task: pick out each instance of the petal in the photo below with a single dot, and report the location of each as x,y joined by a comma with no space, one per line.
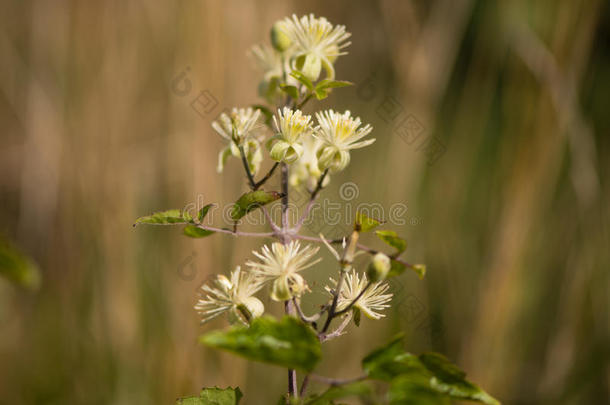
222,158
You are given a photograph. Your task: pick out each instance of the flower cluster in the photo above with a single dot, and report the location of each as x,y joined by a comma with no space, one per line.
309,147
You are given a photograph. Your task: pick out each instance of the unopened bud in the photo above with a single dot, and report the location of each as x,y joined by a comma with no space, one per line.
279,39
379,267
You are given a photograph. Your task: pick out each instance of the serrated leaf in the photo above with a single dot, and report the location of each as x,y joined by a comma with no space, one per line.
430,374
193,231
214,396
287,343
356,389
292,91
203,212
18,267
302,79
169,217
392,239
364,223
251,201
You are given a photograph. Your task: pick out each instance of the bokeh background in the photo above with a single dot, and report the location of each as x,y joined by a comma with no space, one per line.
492,127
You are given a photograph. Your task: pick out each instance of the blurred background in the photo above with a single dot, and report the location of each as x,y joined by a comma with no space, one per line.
492,129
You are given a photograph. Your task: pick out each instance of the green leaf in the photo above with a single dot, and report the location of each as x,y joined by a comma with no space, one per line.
168,217
251,201
364,223
302,79
451,380
332,84
390,361
203,212
398,268
287,343
392,239
425,374
266,112
214,396
17,267
357,389
292,91
193,231
321,94
410,390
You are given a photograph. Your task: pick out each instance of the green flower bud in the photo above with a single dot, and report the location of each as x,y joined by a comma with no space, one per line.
329,157
280,291
282,151
312,66
379,267
279,39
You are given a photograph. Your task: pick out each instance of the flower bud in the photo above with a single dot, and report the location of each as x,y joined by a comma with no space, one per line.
254,306
282,151
312,67
280,291
379,267
279,39
329,157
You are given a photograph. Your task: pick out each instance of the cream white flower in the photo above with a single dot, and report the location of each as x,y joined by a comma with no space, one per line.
281,265
286,145
237,125
372,301
237,129
317,44
305,171
235,296
339,133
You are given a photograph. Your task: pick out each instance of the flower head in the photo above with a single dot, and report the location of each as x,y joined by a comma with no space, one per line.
237,125
237,129
285,146
235,296
317,44
371,302
281,265
339,134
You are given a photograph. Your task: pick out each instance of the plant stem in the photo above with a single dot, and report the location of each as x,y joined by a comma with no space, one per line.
346,263
312,199
236,233
244,160
284,201
304,318
336,382
292,374
262,181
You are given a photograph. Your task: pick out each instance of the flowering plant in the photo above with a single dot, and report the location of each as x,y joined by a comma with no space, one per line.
307,151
